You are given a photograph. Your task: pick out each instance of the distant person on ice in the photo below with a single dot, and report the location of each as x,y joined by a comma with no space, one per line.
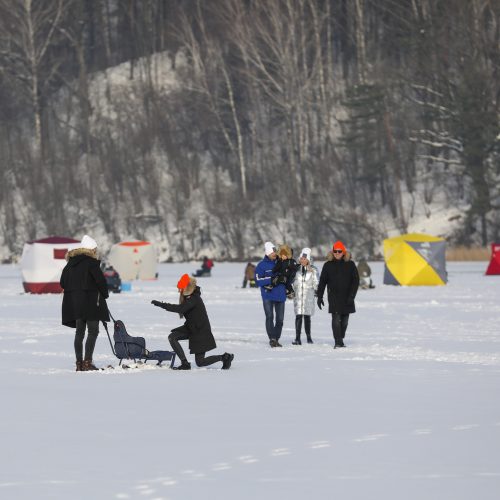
249,276
196,329
84,300
305,286
206,268
340,275
365,274
273,298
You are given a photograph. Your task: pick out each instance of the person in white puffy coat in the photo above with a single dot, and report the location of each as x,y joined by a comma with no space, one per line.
305,286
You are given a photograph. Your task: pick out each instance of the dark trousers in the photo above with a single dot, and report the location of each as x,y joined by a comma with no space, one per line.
200,358
298,325
339,327
93,332
274,329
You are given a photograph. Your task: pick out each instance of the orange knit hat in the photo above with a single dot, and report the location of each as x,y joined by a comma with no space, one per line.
338,245
183,282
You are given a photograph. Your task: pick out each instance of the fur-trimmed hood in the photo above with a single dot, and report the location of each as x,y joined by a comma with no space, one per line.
190,288
346,257
81,251
285,249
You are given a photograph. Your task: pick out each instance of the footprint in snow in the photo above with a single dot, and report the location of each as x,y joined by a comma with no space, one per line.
278,452
370,437
248,459
464,427
169,482
144,489
315,445
221,466
422,432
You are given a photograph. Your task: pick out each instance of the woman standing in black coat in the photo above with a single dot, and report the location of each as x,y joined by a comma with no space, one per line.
84,300
196,329
339,273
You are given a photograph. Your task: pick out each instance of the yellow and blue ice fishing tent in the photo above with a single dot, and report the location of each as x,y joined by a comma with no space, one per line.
415,260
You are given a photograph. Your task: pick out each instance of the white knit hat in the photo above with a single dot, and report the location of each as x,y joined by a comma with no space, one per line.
88,242
306,252
269,248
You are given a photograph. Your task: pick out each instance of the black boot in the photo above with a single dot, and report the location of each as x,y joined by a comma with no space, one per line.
227,359
183,366
307,326
298,329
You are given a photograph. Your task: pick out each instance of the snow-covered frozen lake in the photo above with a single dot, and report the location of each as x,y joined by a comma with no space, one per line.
410,410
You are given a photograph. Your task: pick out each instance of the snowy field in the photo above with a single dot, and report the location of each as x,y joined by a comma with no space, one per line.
409,410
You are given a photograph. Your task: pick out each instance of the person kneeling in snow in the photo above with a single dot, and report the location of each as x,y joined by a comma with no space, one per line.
196,329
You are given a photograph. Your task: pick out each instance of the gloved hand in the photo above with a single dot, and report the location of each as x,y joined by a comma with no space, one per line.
277,280
157,303
320,302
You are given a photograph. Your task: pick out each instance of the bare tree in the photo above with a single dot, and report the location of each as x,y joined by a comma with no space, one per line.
212,79
29,29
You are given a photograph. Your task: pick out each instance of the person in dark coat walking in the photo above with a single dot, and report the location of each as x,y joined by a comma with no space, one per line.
84,300
341,277
196,329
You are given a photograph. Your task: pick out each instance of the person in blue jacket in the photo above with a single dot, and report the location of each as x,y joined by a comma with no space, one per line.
273,299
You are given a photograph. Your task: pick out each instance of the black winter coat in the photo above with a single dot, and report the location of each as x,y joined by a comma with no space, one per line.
197,323
85,289
287,268
342,279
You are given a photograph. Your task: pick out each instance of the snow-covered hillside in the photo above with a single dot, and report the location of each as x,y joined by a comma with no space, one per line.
409,410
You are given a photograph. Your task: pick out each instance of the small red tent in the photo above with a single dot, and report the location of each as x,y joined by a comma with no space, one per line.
42,263
494,267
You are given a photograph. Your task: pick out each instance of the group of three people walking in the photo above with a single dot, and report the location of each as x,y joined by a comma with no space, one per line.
339,276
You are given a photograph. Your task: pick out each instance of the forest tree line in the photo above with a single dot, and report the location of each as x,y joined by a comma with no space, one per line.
319,118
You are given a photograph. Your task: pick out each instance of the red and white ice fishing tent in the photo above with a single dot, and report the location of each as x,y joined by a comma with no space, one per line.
134,260
494,266
43,261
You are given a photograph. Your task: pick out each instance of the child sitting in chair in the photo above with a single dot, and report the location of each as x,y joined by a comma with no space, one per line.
196,329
